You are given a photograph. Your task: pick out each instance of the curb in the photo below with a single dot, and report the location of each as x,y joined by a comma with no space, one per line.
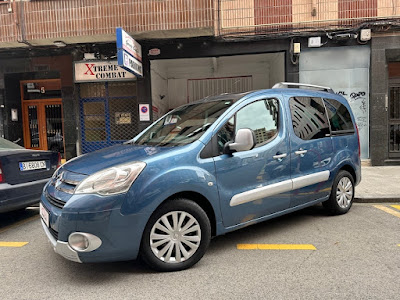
394,199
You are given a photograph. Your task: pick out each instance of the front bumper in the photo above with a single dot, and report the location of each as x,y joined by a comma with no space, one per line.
120,234
61,248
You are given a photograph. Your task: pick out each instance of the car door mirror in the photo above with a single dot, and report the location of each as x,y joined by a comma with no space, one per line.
244,141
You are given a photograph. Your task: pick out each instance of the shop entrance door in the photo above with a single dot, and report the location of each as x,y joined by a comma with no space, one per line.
42,115
394,119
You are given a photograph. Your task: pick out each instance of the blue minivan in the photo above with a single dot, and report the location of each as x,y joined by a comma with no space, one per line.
202,170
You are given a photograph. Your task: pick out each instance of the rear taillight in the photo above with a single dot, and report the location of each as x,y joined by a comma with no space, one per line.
1,174
59,160
358,138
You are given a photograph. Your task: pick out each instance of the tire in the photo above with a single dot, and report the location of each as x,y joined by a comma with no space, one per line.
342,194
164,247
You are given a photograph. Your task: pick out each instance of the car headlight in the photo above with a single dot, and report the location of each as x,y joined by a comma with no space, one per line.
111,181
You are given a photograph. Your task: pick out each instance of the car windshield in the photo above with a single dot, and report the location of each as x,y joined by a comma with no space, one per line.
6,144
184,124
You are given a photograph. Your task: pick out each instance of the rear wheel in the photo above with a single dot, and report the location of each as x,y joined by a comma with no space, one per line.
342,194
176,236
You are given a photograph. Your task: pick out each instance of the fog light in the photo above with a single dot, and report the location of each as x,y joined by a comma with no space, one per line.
83,242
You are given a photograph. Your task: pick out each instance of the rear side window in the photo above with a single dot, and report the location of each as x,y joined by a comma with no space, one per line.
339,117
309,118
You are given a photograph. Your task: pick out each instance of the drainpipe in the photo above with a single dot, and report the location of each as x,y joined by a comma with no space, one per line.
313,8
20,29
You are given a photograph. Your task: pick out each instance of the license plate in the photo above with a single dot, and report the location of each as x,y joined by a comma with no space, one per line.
32,165
44,214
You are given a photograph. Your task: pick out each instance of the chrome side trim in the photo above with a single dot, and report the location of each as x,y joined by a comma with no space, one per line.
61,248
278,188
262,192
311,179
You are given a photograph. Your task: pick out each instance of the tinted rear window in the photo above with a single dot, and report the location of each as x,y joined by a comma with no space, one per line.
339,116
309,118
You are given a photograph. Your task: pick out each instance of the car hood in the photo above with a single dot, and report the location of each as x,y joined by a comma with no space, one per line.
112,156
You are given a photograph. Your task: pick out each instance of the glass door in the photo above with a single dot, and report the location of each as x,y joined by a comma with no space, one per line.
42,115
394,120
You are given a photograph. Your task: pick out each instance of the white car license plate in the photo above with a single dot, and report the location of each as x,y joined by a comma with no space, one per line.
32,165
44,214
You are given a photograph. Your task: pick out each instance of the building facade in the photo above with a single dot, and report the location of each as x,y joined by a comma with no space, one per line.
61,88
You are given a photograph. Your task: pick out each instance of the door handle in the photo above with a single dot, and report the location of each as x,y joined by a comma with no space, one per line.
300,152
279,157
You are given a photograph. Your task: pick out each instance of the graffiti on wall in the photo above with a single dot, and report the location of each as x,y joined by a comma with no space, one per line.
358,101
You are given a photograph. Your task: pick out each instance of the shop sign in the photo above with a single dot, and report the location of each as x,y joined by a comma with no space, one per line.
95,71
154,52
128,44
144,112
129,53
130,63
123,118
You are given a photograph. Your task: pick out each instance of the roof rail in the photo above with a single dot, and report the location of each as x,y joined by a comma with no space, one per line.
281,85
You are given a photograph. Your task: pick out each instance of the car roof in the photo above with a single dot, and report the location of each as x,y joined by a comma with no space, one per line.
289,92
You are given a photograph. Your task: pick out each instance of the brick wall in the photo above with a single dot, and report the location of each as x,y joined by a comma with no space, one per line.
44,20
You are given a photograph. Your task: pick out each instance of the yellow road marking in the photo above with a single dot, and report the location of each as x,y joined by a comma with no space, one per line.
19,223
13,244
396,206
276,247
388,210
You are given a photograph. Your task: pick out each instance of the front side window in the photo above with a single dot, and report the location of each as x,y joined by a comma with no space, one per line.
184,124
339,117
261,116
309,118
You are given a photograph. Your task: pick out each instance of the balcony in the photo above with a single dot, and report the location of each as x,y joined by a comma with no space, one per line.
86,21
74,21
269,17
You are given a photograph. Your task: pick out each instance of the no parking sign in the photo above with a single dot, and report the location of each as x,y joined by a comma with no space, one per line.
144,112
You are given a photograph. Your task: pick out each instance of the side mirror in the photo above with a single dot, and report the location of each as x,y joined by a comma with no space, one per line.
244,140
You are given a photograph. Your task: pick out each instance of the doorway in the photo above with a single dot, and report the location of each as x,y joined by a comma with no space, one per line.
394,118
42,113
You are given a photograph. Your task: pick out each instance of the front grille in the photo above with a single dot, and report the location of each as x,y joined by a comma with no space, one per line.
53,233
54,201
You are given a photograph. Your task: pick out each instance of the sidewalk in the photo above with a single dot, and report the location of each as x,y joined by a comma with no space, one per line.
379,184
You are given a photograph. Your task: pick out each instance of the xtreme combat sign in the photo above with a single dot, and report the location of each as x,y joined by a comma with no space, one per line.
95,71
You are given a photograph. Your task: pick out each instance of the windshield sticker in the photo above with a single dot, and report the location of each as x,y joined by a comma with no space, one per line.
169,120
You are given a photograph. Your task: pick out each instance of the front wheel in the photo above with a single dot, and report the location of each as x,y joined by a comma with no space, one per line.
176,236
342,194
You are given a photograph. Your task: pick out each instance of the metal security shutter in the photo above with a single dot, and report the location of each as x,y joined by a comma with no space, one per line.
108,114
201,88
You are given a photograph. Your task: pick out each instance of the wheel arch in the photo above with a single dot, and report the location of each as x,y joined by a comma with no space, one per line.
349,169
201,201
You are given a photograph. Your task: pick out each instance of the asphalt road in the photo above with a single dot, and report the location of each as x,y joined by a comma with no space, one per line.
357,256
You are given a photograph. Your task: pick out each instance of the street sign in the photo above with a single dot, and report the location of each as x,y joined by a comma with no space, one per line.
144,112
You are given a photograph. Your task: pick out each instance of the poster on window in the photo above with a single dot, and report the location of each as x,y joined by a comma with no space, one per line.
123,118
